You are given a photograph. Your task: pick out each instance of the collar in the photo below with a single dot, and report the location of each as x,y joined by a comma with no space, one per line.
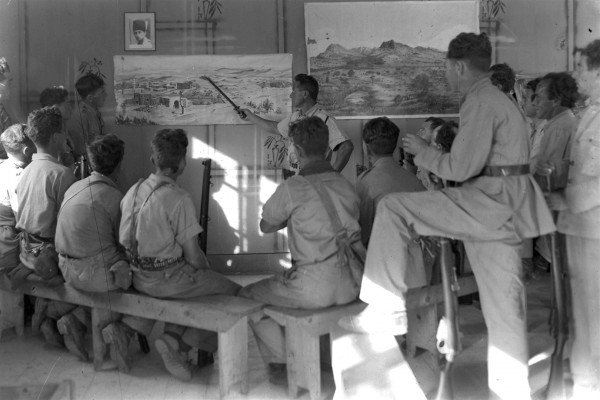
96,176
483,81
44,156
383,161
310,112
560,115
316,167
154,178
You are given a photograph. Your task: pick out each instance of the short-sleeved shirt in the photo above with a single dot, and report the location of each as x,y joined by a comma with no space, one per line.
336,136
384,177
310,232
10,174
88,220
582,217
166,222
40,192
84,125
555,143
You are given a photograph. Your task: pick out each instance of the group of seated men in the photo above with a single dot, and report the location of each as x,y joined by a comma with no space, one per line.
88,234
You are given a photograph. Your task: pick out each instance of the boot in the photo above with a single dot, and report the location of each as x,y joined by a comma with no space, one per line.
118,336
73,332
168,348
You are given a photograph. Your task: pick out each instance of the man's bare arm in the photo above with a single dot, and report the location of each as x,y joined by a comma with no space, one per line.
267,227
342,155
265,124
193,255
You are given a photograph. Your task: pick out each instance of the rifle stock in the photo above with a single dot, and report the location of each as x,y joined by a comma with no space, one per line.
556,389
450,345
204,203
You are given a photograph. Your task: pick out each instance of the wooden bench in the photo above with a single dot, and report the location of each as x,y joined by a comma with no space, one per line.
304,328
226,315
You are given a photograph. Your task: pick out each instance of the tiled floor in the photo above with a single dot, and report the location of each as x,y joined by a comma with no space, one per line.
28,361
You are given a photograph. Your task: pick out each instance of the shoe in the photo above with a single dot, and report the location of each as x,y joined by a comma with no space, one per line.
39,313
51,334
376,321
278,374
73,332
118,336
174,361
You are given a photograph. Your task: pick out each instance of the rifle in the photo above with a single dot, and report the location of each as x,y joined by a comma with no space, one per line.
235,106
556,389
448,331
204,198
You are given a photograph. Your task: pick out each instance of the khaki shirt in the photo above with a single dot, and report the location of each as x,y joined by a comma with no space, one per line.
166,222
492,132
310,233
555,143
83,127
10,174
88,220
582,218
40,192
336,136
384,177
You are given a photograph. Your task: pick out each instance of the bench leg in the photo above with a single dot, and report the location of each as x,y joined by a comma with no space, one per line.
233,357
12,312
100,318
303,361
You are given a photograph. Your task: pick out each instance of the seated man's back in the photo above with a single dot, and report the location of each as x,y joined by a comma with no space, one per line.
385,176
87,232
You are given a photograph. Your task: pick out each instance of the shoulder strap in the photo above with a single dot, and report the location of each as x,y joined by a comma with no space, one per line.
136,214
327,203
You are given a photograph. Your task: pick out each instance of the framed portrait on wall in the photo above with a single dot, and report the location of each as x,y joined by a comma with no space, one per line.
140,32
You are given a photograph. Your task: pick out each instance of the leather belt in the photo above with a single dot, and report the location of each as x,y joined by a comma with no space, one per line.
505,170
154,264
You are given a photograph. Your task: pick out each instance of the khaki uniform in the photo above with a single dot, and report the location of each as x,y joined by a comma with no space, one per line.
165,222
580,222
384,177
87,233
315,280
491,215
10,174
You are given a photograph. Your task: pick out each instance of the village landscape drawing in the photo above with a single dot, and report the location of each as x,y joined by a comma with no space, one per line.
385,60
169,90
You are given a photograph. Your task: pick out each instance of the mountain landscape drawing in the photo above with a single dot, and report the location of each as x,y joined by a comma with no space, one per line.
390,79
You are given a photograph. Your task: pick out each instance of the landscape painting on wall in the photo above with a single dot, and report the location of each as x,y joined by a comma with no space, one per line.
170,90
385,58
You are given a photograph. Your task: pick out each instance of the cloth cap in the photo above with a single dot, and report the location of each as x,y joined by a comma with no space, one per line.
139,25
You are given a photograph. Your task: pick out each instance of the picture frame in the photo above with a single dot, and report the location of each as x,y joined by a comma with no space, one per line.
140,31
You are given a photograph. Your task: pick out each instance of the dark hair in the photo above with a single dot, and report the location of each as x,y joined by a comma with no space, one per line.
14,138
503,77
53,96
434,122
312,134
532,84
105,153
477,49
308,83
42,124
445,135
168,148
88,84
381,135
563,86
592,52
